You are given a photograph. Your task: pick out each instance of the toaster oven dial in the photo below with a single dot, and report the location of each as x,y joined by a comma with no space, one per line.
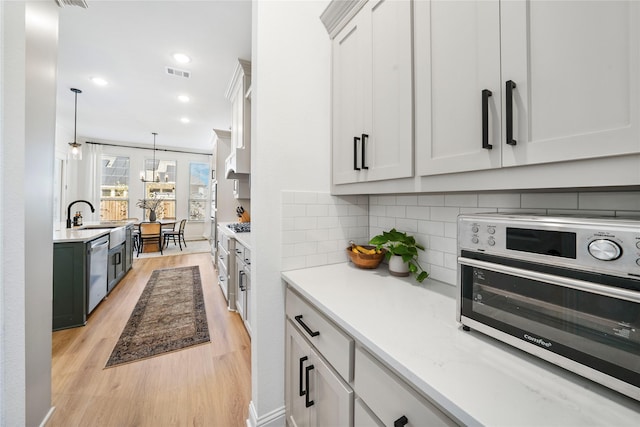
605,250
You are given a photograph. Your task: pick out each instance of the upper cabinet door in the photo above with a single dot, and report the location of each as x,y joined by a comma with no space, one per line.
388,146
350,58
373,95
575,65
457,61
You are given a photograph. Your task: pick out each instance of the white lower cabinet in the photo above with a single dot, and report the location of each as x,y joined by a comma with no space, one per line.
315,393
363,417
390,399
332,381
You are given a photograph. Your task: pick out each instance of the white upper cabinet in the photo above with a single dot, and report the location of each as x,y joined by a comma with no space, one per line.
373,95
238,163
576,69
525,82
457,60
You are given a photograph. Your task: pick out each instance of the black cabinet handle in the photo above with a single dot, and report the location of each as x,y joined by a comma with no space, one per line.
305,327
400,422
307,402
364,156
302,360
510,86
241,284
355,153
486,93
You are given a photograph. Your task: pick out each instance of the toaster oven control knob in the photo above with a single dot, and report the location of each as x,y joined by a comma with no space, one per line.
491,241
605,250
475,228
475,239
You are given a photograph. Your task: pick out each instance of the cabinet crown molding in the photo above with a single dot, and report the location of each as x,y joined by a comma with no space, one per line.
338,13
243,69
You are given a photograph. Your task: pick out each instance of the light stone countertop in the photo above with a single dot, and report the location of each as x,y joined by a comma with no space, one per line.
78,234
476,379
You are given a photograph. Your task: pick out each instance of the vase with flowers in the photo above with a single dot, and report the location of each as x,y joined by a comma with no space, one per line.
154,204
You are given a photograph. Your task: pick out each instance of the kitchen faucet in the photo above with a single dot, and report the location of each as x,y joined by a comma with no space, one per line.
69,210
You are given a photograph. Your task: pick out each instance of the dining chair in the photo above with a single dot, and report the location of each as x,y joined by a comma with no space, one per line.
150,233
179,233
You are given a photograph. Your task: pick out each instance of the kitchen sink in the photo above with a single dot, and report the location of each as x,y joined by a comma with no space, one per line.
117,233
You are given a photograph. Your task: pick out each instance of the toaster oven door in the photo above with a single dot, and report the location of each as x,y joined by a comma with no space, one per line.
569,317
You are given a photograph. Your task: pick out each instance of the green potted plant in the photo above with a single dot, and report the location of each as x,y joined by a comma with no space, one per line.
402,253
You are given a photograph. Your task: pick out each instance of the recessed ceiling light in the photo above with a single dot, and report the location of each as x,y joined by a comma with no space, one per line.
185,120
183,98
99,81
181,58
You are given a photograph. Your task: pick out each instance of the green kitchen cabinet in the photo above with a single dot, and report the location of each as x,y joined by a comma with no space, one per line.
69,285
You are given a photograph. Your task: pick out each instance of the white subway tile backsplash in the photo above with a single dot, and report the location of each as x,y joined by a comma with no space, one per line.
433,228
443,244
317,227
293,210
397,211
442,274
293,263
499,200
451,230
287,224
387,200
451,261
386,222
407,225
550,200
317,210
467,200
293,236
615,201
433,257
304,198
407,200
328,222
305,223
431,200
418,212
444,214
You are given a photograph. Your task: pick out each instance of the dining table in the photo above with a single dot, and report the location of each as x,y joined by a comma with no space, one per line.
165,225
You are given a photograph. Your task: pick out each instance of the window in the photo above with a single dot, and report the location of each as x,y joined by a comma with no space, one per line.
114,190
161,186
198,189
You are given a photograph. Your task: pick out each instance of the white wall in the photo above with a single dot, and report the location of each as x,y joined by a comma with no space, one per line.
290,151
28,77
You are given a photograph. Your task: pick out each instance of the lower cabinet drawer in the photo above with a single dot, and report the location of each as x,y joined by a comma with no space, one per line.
335,345
363,417
390,398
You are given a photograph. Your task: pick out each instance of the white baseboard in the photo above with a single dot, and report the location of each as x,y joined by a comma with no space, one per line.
48,416
275,418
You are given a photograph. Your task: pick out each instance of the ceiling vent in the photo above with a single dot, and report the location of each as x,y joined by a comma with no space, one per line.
178,73
81,3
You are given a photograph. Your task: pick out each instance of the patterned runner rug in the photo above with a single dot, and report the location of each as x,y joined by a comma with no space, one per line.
169,316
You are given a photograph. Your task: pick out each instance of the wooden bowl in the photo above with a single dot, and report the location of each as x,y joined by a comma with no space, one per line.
365,260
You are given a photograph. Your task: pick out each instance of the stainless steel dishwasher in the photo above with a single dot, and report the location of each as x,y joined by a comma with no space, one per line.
97,262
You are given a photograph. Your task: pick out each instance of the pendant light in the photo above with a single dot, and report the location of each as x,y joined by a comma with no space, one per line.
154,176
75,149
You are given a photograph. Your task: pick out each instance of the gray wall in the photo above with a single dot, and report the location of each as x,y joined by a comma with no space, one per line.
29,52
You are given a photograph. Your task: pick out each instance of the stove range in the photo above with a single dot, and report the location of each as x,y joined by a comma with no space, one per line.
240,227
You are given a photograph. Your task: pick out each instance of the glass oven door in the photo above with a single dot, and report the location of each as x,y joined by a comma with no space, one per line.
588,318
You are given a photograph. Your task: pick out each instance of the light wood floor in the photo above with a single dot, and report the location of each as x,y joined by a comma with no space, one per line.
204,385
